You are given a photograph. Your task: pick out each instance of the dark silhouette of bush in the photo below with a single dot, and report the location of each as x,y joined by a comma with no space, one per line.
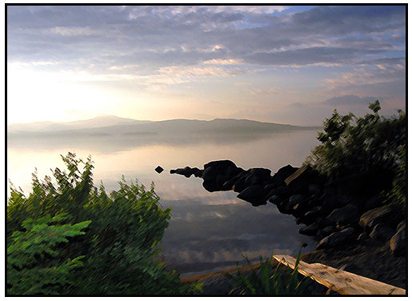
371,145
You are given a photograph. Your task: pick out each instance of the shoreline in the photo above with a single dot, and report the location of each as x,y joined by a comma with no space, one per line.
355,228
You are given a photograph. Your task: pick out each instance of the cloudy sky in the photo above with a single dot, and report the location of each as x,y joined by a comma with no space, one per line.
287,64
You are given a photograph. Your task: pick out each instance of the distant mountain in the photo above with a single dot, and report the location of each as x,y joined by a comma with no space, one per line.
115,126
101,121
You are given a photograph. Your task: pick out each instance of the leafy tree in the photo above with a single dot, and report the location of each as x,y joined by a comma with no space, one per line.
372,145
119,246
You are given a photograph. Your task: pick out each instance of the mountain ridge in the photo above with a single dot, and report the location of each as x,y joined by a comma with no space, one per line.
113,125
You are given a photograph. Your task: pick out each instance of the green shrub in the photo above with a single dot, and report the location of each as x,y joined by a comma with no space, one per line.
372,145
119,248
350,144
33,263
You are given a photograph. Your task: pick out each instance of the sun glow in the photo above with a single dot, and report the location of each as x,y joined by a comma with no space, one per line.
59,96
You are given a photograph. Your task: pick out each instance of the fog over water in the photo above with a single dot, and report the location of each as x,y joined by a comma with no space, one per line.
207,231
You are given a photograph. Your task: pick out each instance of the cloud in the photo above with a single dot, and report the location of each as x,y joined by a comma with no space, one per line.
350,100
338,34
334,50
309,56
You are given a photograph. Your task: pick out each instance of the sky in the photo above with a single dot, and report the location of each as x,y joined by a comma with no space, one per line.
283,64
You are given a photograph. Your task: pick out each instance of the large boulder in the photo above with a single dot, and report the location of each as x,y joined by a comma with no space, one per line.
301,179
385,214
216,175
310,230
382,232
283,173
335,239
293,201
221,166
348,214
399,243
260,175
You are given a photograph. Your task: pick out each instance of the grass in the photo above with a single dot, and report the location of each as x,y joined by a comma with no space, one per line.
270,279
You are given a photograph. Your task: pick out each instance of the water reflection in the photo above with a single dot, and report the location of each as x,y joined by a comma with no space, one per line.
202,236
207,230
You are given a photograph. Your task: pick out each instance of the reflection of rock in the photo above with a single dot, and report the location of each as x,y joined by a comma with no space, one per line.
253,194
331,213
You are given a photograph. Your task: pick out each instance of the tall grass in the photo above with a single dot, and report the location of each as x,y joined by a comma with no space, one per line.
269,279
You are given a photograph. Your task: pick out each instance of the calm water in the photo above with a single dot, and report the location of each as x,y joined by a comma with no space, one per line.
207,231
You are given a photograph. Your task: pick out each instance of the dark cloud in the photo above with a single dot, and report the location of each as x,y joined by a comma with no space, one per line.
160,36
342,20
351,100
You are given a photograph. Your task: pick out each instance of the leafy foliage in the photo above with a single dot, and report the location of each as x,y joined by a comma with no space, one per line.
269,280
33,263
372,145
118,249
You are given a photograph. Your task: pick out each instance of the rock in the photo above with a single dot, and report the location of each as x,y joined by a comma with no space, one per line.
348,214
333,201
159,169
382,232
253,194
197,172
362,237
187,171
210,186
401,225
328,230
399,243
310,230
282,206
221,166
293,201
314,213
209,174
385,214
301,179
274,199
314,188
239,182
270,187
372,202
282,174
335,239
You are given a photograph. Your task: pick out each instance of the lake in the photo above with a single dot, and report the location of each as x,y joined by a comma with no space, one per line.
207,231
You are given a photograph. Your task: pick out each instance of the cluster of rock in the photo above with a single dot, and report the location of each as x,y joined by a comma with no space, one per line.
333,212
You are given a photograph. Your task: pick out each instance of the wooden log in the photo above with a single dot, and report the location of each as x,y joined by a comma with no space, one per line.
343,282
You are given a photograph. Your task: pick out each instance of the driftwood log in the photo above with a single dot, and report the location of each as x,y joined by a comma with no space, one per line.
343,282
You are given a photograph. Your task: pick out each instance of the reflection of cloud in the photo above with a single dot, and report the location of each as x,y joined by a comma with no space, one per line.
251,231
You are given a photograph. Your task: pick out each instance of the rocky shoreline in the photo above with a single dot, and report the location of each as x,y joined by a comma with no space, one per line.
343,215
